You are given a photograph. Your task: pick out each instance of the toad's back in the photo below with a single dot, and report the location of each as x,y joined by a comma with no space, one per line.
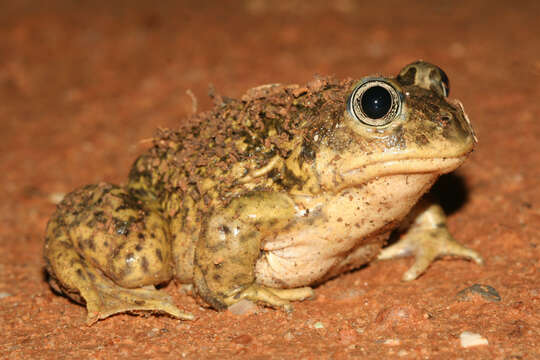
226,151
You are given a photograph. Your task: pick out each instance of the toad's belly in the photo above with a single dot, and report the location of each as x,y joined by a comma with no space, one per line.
277,269
338,232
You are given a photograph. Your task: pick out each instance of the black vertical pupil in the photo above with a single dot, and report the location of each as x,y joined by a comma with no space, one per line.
376,102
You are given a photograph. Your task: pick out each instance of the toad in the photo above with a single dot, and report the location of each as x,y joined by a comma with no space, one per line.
267,195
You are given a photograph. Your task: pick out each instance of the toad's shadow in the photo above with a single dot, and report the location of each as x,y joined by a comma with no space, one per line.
451,191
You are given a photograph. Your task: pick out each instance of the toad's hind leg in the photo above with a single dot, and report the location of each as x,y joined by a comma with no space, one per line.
103,249
230,245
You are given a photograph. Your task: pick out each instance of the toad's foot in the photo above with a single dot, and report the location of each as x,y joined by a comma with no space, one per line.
426,247
104,298
107,298
104,249
427,238
272,296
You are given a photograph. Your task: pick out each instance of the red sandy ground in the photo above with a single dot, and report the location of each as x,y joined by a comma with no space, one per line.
83,84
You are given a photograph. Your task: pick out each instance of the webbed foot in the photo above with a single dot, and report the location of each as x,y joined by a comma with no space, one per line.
107,299
427,239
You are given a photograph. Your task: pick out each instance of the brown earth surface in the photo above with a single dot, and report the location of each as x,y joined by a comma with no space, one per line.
83,85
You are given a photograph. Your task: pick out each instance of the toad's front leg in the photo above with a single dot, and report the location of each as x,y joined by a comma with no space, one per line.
427,238
229,246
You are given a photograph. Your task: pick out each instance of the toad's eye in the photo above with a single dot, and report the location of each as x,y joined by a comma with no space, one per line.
374,102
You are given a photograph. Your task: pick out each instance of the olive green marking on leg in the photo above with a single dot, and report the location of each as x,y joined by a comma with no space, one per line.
72,275
109,267
229,248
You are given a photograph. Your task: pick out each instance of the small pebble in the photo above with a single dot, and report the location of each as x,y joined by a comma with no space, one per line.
318,325
57,197
392,342
487,292
153,332
469,339
243,307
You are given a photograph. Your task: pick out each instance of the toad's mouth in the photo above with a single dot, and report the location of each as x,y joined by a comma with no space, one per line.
367,172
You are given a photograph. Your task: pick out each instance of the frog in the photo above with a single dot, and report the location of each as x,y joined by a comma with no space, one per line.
264,197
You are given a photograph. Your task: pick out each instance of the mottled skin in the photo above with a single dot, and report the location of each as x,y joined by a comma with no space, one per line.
264,196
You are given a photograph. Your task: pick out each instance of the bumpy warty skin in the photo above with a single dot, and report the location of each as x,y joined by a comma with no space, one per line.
281,189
